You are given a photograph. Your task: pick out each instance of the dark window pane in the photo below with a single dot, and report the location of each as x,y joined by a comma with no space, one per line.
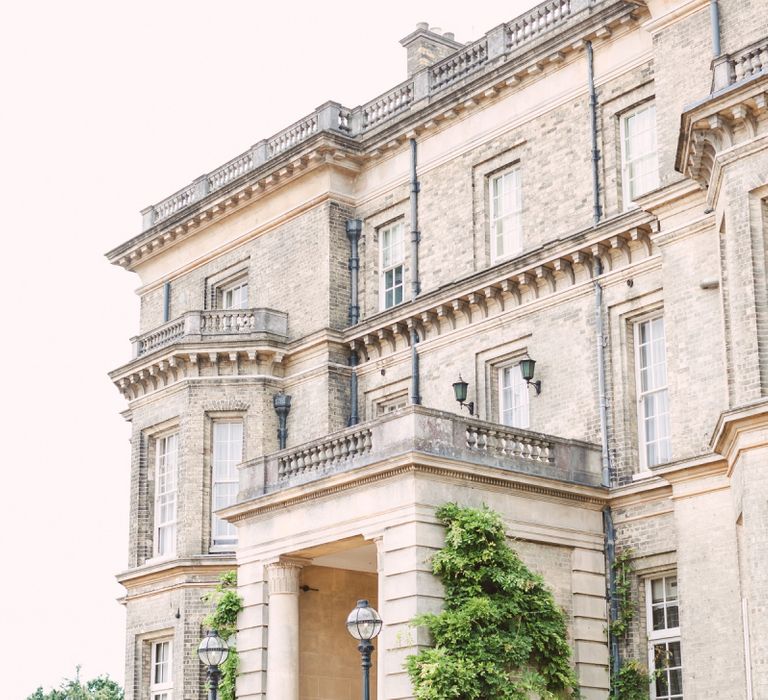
658,618
673,617
676,681
674,654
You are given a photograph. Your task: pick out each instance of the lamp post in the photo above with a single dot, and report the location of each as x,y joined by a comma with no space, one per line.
213,651
364,624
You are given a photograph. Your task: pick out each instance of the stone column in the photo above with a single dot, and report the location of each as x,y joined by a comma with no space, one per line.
283,631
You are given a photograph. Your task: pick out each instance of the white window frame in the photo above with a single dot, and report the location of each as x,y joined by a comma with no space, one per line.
234,295
224,534
518,415
390,404
161,690
166,470
666,635
507,225
651,156
397,260
642,418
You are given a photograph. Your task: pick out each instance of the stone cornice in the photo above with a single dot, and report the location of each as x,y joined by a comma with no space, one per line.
175,571
741,429
323,150
548,270
509,56
416,463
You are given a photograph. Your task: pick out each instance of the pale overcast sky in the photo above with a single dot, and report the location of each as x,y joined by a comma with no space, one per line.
108,107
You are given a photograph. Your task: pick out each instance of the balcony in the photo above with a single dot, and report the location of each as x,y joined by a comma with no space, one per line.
219,324
221,342
421,435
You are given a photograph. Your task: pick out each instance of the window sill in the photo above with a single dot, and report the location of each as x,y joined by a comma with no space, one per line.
222,548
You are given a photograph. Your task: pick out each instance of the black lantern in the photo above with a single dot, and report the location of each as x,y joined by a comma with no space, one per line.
213,651
460,390
282,404
527,368
364,624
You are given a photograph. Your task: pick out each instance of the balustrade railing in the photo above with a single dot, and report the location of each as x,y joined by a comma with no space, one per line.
442,75
198,324
751,61
504,442
417,432
293,135
160,337
230,171
320,457
458,65
542,18
387,105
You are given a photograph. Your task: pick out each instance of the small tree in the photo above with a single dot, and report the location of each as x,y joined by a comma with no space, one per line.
500,635
99,688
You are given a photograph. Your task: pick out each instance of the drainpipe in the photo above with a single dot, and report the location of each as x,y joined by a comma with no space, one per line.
166,302
354,418
354,229
714,19
415,286
608,528
597,211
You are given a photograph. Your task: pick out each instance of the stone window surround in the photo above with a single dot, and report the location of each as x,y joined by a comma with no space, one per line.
666,635
152,434
381,395
143,643
625,316
622,121
482,174
400,223
613,111
370,254
642,453
165,689
216,283
211,417
489,364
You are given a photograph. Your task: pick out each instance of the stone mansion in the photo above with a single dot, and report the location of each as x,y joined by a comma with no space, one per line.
585,186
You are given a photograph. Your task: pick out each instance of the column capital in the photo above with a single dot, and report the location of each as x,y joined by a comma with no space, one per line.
283,575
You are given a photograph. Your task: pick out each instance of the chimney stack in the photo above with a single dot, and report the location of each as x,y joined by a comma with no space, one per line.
427,45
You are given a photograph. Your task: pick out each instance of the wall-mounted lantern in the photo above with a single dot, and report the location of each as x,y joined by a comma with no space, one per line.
460,390
527,368
282,404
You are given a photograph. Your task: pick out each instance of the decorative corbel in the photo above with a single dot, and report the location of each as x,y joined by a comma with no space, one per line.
618,243
743,114
446,312
544,273
510,287
493,292
526,279
478,300
641,236
462,307
564,268
583,258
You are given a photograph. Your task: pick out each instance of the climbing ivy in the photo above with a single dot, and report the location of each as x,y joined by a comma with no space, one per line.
632,681
223,620
623,570
500,635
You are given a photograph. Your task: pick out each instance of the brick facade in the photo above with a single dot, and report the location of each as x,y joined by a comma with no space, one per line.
690,250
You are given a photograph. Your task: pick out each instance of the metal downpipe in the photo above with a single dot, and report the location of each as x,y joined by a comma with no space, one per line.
597,209
415,397
605,458
714,19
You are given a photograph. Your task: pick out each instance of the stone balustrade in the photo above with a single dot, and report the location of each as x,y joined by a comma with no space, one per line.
387,105
542,18
416,430
502,44
204,325
458,65
740,65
